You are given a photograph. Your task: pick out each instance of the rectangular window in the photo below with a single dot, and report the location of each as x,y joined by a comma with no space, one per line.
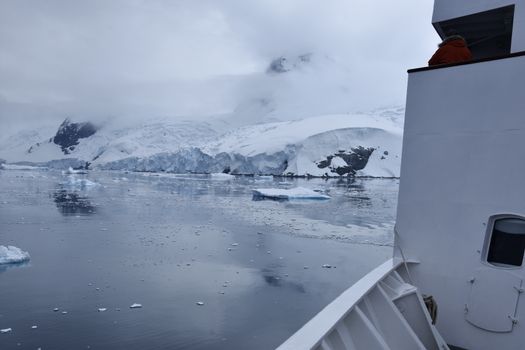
488,33
507,242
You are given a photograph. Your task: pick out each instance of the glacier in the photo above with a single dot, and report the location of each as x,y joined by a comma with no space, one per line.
367,145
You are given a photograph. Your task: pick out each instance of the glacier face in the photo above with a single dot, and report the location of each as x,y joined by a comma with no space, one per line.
327,145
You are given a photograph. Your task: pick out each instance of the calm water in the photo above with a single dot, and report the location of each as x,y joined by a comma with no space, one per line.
168,242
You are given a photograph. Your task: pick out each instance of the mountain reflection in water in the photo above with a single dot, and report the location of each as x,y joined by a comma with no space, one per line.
72,203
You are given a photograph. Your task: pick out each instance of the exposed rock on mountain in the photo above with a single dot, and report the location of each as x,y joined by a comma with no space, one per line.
69,133
347,163
283,64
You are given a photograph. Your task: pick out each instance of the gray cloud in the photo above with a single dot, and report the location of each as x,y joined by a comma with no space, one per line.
138,58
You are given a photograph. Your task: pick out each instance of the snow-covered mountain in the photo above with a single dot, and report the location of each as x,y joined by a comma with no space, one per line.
327,145
287,122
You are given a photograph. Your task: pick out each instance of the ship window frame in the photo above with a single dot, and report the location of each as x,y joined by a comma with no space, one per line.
488,240
480,28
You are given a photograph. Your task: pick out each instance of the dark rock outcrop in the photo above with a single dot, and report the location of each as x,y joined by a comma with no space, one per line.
355,160
283,64
69,133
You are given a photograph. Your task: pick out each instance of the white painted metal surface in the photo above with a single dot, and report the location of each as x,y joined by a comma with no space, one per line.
381,311
463,152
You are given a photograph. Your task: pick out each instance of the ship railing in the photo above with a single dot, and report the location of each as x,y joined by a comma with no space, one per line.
379,312
481,60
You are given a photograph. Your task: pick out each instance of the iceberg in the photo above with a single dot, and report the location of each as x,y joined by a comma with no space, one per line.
222,176
12,255
74,183
293,193
70,171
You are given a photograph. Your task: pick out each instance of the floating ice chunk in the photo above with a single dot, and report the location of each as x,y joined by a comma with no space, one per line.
222,176
12,255
293,193
64,312
19,167
70,170
56,309
234,244
34,327
135,306
6,330
102,309
326,266
75,183
200,303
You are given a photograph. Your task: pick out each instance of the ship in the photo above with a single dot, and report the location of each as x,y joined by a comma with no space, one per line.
456,278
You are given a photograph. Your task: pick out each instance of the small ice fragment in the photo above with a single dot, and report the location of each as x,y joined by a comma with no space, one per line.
55,309
326,266
64,312
101,309
305,267
200,303
234,244
6,330
135,306
34,327
12,255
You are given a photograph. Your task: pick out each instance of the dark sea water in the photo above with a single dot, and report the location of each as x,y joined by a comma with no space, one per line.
169,242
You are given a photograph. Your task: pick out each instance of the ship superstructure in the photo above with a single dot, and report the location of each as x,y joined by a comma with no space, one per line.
460,232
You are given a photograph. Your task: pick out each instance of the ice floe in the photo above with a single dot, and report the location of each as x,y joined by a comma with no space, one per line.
73,182
70,171
12,255
135,306
6,330
222,176
19,167
292,193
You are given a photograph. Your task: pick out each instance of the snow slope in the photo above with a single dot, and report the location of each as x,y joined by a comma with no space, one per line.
111,142
328,145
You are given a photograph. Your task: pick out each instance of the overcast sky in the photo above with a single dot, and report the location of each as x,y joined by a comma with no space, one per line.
169,57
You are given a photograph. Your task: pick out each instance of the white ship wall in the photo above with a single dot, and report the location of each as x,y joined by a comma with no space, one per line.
463,161
448,9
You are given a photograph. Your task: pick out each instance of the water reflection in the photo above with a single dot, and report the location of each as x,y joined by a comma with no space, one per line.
274,280
5,267
72,203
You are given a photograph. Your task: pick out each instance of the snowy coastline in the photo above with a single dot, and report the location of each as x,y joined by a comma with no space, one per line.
358,145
